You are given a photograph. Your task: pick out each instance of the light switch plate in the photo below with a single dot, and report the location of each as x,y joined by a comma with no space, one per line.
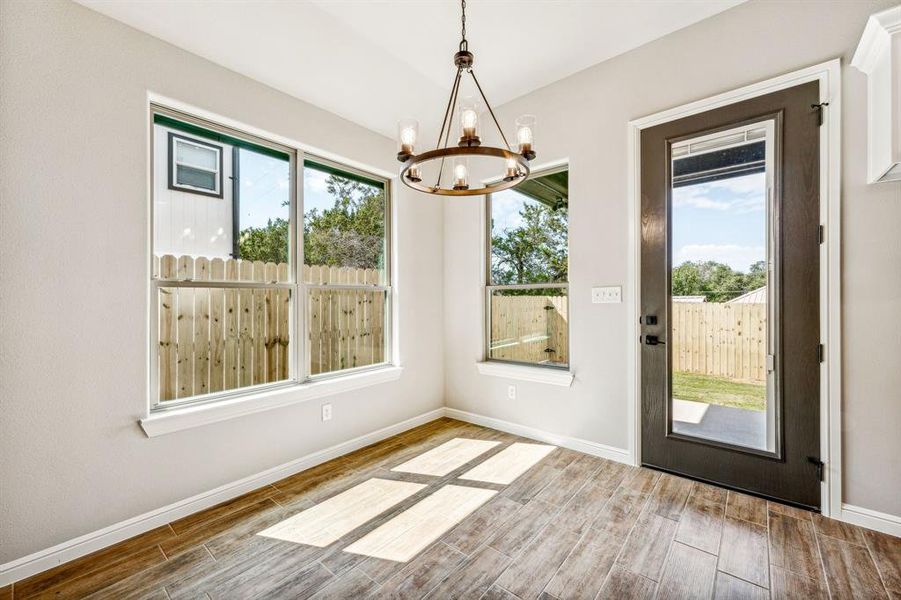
612,294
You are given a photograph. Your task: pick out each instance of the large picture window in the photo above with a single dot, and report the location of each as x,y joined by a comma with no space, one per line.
527,294
246,295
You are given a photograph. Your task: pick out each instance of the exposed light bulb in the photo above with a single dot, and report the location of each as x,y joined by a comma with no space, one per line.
512,170
460,174
524,135
470,118
407,132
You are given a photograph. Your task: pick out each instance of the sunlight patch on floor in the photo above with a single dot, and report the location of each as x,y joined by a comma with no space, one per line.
509,463
410,532
445,458
339,515
688,411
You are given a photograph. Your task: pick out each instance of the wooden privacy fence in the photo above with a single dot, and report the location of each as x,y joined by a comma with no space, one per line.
529,328
213,339
346,327
727,340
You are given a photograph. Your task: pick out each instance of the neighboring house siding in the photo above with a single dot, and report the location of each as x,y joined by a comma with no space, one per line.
187,223
757,296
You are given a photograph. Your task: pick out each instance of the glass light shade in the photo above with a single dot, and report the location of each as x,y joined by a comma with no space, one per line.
525,135
461,173
469,120
512,171
407,132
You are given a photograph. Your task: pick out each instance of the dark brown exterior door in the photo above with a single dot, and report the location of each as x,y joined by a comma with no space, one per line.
730,349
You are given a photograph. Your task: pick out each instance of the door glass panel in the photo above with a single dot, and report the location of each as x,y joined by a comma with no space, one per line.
722,346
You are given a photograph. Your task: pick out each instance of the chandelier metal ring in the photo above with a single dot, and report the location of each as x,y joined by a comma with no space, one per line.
452,151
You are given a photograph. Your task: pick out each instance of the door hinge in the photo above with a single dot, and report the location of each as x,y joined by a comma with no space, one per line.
819,108
821,353
818,464
821,234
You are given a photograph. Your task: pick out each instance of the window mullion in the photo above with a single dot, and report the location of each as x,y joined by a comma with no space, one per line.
300,303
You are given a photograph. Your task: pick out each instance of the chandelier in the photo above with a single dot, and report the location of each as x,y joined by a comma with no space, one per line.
469,145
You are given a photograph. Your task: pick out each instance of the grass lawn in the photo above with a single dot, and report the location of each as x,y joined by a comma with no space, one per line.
718,390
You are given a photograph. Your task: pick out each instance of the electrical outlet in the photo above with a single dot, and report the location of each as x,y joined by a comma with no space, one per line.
326,412
511,392
607,295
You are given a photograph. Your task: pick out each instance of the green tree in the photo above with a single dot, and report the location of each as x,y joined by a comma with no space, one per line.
534,252
756,277
268,244
715,281
350,234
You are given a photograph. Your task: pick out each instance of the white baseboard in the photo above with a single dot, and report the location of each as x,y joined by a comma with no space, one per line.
872,519
593,448
43,560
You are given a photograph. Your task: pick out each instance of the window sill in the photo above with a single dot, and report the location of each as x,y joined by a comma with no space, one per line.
177,419
525,373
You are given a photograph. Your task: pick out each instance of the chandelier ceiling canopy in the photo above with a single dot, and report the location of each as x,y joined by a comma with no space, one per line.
468,144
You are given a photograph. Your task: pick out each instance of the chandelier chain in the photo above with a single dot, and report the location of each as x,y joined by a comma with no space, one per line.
464,45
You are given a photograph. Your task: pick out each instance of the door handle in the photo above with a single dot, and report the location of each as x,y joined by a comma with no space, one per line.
653,340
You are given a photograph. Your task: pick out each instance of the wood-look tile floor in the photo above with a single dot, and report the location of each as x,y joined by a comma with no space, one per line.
570,526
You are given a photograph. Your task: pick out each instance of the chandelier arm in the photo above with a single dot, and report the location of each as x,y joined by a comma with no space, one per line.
450,105
490,110
449,118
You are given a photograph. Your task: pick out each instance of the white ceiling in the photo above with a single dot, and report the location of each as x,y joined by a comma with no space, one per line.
376,61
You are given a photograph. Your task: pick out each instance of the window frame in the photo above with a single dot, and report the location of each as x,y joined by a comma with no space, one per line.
298,372
174,140
490,287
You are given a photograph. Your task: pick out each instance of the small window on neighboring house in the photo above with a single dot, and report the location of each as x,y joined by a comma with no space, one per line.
195,166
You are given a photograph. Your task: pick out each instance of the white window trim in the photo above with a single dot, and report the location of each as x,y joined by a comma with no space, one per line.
163,421
523,372
160,419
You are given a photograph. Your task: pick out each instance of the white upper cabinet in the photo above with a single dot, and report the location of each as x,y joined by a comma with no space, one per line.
879,56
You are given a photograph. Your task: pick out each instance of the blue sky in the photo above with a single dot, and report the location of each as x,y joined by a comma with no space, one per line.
315,194
265,187
722,220
505,208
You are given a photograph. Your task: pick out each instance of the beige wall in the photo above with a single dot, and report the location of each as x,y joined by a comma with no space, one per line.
583,118
73,298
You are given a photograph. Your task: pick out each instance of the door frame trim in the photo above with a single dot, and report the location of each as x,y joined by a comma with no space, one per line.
828,74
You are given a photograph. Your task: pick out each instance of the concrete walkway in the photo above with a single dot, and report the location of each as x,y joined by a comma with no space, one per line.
727,424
